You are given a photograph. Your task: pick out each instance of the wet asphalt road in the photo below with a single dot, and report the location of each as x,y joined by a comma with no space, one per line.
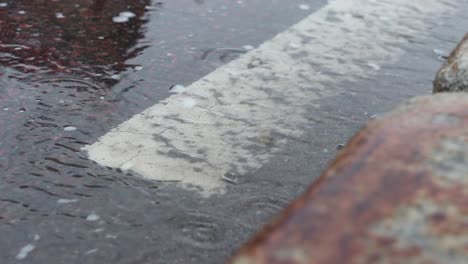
68,74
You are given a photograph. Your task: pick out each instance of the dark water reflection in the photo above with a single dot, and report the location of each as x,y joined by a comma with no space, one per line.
70,36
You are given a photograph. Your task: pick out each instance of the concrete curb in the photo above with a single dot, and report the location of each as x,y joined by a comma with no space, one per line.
396,193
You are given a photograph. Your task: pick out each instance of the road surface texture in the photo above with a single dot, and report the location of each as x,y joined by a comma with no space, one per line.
73,74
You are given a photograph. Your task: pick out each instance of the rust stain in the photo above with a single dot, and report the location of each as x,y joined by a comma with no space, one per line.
398,193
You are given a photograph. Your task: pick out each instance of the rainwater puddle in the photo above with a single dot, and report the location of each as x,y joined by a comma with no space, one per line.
72,70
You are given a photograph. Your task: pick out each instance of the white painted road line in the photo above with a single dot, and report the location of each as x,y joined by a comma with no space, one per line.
235,119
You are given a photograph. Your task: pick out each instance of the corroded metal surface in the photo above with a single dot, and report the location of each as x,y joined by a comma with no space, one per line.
398,193
453,76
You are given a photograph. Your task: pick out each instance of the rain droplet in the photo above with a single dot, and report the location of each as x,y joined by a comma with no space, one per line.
116,77
24,252
177,89
37,237
70,128
120,19
3,4
374,66
127,14
441,55
59,15
257,209
93,217
189,103
438,52
150,8
66,201
92,251
138,68
304,7
248,47
294,45
198,230
21,12
127,165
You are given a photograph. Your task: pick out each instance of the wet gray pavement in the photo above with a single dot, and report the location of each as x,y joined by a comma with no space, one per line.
68,74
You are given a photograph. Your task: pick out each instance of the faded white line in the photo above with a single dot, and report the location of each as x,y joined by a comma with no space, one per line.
235,119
